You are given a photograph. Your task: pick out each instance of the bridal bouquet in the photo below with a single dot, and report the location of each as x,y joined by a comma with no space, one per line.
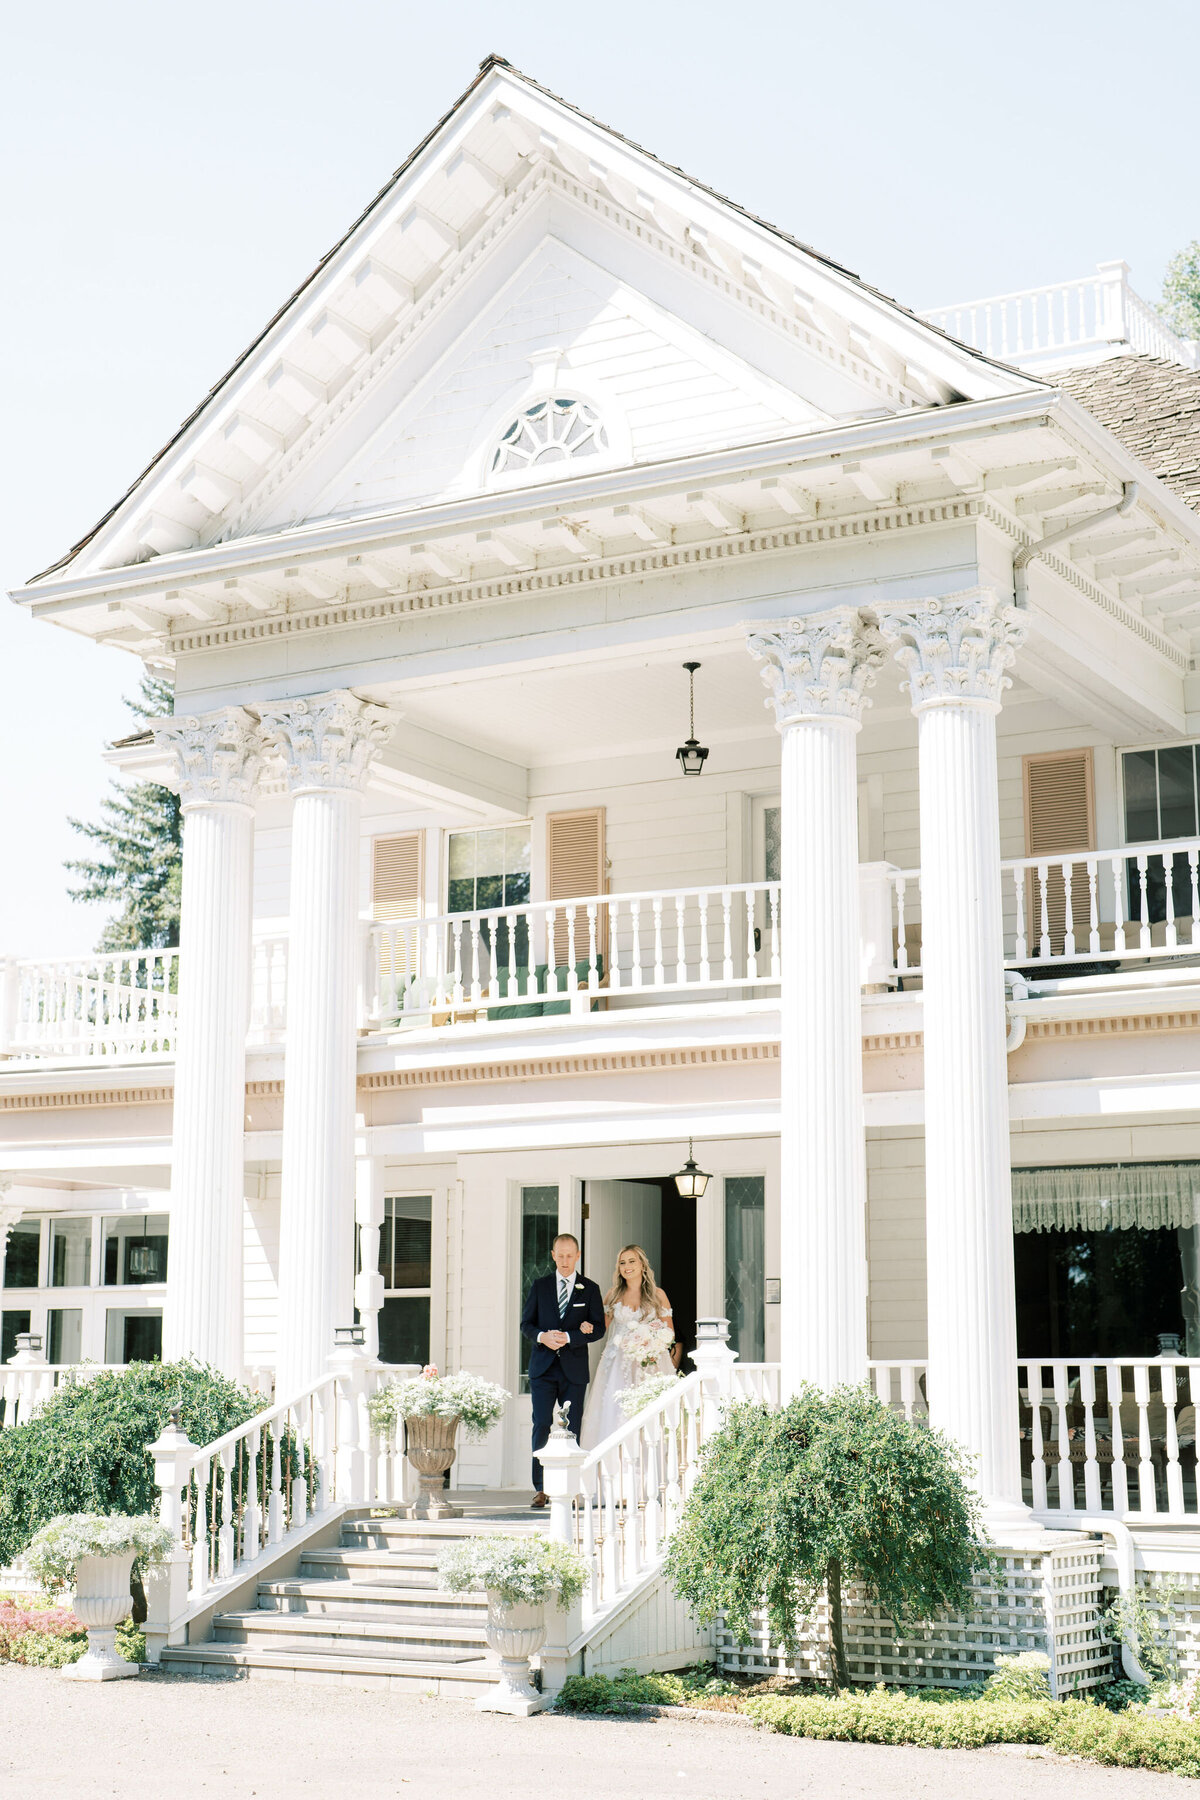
646,1340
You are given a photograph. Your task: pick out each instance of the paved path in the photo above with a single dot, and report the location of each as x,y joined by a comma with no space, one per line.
169,1738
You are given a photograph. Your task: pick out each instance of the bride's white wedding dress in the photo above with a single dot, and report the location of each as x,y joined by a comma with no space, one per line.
617,1370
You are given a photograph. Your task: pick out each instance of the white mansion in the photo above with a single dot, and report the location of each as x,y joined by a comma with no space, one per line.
906,941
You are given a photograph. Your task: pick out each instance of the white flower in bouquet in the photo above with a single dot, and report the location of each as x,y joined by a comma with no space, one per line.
646,1340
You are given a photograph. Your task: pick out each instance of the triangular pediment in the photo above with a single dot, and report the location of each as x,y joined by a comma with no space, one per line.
525,252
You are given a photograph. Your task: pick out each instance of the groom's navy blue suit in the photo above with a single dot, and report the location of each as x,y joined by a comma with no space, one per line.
559,1376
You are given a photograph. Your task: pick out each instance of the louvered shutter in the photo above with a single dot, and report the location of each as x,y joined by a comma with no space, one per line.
575,870
1059,816
397,890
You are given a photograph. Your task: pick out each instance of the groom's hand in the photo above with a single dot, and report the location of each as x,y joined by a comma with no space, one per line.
554,1340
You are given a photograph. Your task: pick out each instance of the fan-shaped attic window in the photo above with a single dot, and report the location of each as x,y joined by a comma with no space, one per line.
552,431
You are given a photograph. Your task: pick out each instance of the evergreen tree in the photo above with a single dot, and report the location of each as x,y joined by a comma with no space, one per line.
140,840
1180,305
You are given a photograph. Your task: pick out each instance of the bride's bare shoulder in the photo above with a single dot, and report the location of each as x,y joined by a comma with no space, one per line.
664,1305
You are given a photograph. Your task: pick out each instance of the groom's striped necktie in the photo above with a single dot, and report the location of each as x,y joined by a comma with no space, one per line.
564,1294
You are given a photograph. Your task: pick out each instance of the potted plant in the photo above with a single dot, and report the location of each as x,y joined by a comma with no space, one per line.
432,1407
94,1553
518,1574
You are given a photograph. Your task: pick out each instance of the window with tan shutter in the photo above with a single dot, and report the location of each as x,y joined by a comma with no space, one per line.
397,893
1059,816
575,869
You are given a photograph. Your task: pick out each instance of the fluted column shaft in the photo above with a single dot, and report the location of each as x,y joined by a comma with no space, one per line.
216,762
956,651
817,669
328,744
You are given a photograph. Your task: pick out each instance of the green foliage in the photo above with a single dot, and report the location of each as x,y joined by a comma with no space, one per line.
519,1570
1180,305
86,1451
1145,1620
829,1487
45,1635
1117,1695
1134,1740
1023,1677
698,1685
140,840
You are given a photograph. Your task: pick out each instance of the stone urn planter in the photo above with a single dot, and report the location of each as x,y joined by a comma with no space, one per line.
102,1600
431,1451
515,1633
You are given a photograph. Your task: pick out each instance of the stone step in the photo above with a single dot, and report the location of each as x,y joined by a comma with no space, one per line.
419,1675
397,1637
360,1599
380,1566
420,1536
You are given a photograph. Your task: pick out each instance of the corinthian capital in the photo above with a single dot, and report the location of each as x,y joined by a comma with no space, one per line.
216,757
329,741
818,668
956,648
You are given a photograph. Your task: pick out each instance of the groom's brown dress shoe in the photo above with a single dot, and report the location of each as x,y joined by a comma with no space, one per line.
540,1500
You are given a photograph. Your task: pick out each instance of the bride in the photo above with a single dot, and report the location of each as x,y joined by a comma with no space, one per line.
633,1296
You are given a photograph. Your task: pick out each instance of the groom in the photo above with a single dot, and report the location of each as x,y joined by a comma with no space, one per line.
563,1313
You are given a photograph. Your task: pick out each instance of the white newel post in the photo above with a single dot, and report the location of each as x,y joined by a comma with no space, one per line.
167,1586
562,1461
817,670
217,759
328,744
956,651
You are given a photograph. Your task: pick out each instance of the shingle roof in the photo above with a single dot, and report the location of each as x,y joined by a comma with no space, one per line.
1152,407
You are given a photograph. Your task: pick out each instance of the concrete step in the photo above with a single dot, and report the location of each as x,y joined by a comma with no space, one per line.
360,1600
397,1637
420,1675
380,1566
420,1537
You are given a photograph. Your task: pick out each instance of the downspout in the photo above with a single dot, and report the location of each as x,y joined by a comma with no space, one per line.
1027,552
1123,1549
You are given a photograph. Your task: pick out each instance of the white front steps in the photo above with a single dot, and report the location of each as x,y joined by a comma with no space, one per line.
368,1613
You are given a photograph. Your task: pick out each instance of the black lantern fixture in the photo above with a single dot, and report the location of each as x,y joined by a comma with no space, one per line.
691,1182
692,755
142,1259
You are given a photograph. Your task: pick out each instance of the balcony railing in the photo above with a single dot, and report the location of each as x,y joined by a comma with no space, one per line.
564,956
1070,319
119,1005
1136,903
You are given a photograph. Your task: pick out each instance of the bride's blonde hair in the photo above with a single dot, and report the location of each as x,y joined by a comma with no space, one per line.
648,1294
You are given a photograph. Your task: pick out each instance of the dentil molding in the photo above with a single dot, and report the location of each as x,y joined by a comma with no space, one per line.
215,758
954,648
329,741
820,667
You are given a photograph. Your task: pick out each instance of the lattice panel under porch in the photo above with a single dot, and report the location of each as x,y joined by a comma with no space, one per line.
1187,1614
1047,1597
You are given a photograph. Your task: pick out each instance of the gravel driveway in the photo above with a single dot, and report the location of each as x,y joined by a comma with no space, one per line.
170,1738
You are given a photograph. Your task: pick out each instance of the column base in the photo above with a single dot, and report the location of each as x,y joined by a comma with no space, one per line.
1010,1522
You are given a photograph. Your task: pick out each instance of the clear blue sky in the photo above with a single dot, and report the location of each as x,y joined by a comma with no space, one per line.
170,172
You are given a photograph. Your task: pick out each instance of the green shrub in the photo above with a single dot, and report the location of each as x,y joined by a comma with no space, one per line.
1023,1677
85,1451
1133,1740
698,1685
830,1487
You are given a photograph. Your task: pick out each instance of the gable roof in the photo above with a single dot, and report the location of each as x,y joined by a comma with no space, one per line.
1152,407
956,357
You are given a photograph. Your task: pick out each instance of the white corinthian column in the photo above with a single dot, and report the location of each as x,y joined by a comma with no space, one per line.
956,651
817,670
328,744
216,761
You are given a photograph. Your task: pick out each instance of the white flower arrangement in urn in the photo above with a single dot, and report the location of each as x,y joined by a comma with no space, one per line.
432,1407
94,1553
518,1574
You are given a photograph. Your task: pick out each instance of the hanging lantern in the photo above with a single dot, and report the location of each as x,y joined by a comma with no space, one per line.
691,1182
692,755
143,1260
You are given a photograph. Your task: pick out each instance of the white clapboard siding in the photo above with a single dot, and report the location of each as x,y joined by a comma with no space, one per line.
272,871
261,1275
896,1243
652,1630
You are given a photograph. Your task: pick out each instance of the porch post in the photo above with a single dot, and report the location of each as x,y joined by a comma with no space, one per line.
817,670
956,651
328,744
368,1213
216,759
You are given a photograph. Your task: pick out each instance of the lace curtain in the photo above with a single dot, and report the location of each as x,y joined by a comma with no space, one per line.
1119,1197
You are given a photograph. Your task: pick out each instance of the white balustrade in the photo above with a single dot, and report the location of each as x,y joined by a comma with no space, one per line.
1067,318
1110,1435
568,952
902,1385
268,981
105,1005
759,1382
